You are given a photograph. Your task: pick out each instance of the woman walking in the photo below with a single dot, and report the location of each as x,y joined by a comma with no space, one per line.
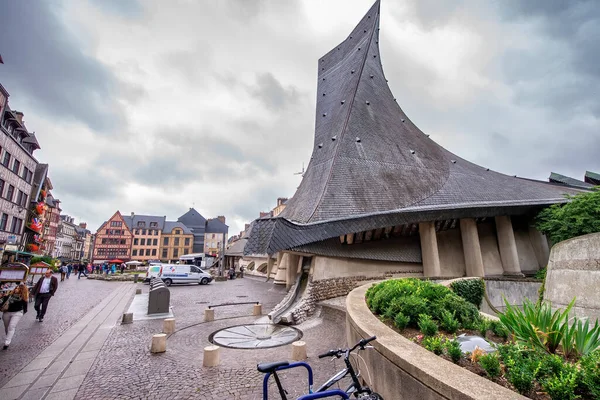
13,308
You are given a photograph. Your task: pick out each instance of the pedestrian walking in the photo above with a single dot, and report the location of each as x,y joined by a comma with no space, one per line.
231,273
43,290
122,268
69,269
113,269
14,306
63,272
82,271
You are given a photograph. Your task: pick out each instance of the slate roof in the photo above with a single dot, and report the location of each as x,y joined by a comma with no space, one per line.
214,225
592,177
146,219
371,167
193,219
170,225
237,248
558,178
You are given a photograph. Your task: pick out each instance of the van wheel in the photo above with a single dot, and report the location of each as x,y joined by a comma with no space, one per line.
204,281
168,282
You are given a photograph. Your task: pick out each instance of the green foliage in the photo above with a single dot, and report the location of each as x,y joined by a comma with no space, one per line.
413,297
491,364
471,290
522,372
482,327
499,329
427,325
580,216
586,339
536,325
551,365
541,273
401,321
563,385
590,374
434,344
448,322
453,350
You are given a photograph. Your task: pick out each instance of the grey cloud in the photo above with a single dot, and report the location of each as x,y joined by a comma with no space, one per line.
261,199
194,65
165,171
272,93
125,8
44,65
88,185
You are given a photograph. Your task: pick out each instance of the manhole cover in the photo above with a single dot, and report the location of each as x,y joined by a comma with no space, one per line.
255,336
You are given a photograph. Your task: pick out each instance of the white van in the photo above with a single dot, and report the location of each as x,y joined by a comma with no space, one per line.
153,271
181,273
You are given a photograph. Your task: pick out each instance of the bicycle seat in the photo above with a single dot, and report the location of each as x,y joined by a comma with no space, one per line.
267,368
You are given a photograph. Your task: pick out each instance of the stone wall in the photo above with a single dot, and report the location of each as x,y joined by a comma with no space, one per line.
330,268
574,271
515,290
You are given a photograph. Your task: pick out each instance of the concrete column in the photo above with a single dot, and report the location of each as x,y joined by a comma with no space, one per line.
471,247
292,268
270,263
299,351
282,262
540,246
429,250
507,246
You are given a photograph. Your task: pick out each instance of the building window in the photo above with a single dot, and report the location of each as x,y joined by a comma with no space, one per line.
154,242
147,252
156,232
122,241
142,242
165,241
6,160
16,166
175,253
154,252
135,241
134,252
153,224
164,254
21,199
1,187
27,175
116,223
177,232
10,192
187,241
3,222
16,225
141,224
143,231
176,241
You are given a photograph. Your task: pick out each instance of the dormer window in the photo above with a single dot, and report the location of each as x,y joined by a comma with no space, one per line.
141,224
153,224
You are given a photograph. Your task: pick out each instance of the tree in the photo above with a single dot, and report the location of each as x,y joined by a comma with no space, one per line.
580,216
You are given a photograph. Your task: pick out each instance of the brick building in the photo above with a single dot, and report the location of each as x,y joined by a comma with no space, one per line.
113,240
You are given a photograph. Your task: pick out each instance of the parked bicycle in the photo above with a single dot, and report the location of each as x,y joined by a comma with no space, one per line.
355,388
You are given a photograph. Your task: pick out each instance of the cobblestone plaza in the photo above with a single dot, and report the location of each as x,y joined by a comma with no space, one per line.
81,351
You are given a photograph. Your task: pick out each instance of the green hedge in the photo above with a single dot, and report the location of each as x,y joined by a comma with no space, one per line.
412,297
471,290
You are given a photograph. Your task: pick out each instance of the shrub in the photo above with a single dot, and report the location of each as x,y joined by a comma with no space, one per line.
586,339
434,344
448,322
482,327
471,290
453,349
427,325
590,374
491,364
521,374
563,385
410,306
498,328
580,216
401,321
551,364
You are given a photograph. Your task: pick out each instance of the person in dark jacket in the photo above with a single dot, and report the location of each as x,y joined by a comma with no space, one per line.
14,306
43,290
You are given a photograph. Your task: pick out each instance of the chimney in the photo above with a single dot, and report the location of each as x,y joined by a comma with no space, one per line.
19,116
246,226
265,214
132,214
221,218
83,225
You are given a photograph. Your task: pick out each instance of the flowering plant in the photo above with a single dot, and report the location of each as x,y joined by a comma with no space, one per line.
33,247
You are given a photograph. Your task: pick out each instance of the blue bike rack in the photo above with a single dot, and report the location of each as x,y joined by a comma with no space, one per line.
292,365
327,393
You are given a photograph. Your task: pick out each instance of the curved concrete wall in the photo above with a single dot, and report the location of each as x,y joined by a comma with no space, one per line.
401,369
574,271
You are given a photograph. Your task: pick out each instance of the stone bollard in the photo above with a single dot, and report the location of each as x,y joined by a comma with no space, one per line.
159,343
299,351
257,309
211,356
127,318
169,325
138,291
209,315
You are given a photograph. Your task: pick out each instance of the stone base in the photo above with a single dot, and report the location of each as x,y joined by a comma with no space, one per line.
211,356
169,325
159,343
299,351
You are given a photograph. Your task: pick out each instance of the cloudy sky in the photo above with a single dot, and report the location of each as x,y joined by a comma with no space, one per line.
154,106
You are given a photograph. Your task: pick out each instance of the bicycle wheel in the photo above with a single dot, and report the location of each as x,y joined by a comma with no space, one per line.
372,396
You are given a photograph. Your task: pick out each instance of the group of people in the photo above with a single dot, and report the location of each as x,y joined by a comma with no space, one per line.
13,304
65,270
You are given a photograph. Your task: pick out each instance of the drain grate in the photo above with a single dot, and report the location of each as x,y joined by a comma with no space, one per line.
255,336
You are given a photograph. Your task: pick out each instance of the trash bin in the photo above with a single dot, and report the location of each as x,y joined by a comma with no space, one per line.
135,278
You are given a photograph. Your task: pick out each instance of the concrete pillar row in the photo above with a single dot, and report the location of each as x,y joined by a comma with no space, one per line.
540,246
270,264
471,247
429,250
282,264
291,271
507,246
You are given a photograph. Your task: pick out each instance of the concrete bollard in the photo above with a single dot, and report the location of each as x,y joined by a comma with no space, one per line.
159,343
299,351
211,356
169,325
209,315
127,318
138,291
257,309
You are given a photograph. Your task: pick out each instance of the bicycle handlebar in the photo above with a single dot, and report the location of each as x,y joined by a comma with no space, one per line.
361,343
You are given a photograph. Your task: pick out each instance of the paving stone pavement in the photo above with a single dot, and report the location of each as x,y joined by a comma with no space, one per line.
125,369
73,299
